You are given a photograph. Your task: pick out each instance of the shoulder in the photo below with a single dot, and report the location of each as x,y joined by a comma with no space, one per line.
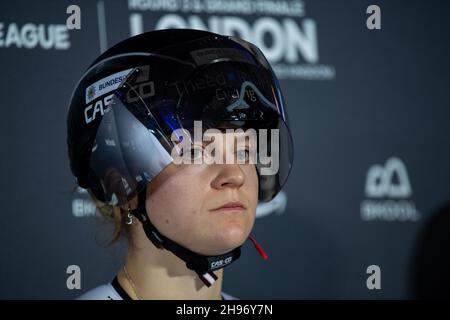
110,291
103,292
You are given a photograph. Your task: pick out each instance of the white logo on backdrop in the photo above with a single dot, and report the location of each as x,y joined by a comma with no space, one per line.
293,51
82,205
388,191
380,180
31,35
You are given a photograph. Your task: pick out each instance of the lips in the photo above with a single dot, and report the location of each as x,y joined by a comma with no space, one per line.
235,205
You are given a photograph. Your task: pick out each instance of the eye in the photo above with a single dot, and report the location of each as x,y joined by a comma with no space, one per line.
243,155
195,152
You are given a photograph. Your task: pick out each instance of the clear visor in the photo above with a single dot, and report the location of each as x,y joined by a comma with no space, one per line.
169,106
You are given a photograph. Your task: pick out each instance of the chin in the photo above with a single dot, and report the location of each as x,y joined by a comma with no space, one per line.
229,238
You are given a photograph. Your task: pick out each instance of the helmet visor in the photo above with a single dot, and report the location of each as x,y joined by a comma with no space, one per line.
169,103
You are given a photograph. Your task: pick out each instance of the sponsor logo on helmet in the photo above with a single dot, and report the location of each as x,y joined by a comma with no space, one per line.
91,92
105,85
221,263
99,107
109,84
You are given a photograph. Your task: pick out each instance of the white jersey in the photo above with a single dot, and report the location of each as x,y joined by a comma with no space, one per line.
114,291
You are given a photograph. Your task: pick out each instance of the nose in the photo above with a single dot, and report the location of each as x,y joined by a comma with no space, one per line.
229,176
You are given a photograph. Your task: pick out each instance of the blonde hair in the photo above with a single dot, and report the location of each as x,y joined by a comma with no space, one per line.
114,214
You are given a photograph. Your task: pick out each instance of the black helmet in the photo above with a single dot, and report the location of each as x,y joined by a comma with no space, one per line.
133,99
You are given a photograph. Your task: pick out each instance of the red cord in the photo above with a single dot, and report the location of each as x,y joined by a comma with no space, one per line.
258,248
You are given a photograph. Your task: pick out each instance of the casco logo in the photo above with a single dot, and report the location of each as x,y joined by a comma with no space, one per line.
110,83
380,180
292,48
30,36
105,85
100,106
387,191
220,263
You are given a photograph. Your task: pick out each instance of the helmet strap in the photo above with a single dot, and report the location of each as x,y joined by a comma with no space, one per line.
202,265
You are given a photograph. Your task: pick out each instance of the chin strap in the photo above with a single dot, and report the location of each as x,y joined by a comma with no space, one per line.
202,265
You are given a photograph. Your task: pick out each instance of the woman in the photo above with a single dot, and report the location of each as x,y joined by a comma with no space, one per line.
177,134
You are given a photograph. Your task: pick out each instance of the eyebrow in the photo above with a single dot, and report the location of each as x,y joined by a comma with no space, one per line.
246,141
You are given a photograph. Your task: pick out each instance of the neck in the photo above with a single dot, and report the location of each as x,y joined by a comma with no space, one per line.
159,274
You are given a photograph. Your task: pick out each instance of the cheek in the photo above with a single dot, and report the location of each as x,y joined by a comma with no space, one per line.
252,191
175,206
252,184
178,210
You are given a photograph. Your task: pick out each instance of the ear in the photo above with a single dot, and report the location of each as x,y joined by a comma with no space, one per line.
130,205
